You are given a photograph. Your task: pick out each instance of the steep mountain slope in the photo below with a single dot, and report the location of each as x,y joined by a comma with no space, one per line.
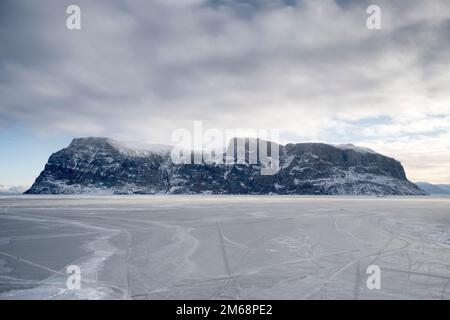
102,165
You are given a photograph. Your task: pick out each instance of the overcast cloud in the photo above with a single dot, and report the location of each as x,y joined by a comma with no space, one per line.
139,69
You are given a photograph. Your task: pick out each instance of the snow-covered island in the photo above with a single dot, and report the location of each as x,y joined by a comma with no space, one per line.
105,166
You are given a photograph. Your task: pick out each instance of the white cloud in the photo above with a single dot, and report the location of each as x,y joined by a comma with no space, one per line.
139,69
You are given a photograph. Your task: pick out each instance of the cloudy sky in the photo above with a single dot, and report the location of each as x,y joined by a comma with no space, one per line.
137,70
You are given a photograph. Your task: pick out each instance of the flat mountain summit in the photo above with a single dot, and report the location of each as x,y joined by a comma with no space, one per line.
104,166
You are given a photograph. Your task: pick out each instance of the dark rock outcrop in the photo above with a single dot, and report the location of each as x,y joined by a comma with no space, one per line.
102,165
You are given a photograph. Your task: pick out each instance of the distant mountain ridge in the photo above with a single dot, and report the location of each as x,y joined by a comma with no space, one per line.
105,166
434,188
10,190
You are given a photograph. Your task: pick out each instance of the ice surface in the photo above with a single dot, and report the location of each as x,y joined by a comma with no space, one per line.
224,247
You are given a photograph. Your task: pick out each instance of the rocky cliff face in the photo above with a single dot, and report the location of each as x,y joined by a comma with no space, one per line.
101,165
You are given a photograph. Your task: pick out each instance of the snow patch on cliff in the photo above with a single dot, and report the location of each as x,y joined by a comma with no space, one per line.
133,148
349,146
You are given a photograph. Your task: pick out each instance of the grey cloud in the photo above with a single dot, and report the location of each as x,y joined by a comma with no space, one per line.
139,69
